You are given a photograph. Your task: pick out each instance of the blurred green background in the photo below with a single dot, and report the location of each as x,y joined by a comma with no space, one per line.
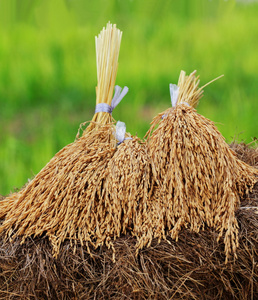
48,70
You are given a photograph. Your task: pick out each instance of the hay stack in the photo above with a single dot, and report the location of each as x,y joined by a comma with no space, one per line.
64,200
191,268
198,179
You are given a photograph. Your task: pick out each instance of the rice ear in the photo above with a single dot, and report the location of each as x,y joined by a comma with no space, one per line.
63,200
128,184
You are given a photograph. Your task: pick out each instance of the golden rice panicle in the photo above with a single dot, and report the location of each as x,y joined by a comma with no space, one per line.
63,200
127,187
128,184
198,178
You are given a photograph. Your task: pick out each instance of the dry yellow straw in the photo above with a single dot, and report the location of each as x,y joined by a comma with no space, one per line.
64,200
198,178
107,53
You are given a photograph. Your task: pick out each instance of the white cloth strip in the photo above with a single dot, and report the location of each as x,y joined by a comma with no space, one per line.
120,131
103,107
174,91
118,96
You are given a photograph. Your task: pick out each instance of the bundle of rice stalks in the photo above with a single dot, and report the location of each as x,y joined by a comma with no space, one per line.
64,200
198,179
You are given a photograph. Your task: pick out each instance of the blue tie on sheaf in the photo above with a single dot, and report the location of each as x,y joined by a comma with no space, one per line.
118,96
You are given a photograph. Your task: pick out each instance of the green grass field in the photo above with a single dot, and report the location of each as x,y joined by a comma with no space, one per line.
48,70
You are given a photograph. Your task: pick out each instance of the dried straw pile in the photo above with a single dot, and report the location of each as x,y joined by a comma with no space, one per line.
191,268
64,200
198,178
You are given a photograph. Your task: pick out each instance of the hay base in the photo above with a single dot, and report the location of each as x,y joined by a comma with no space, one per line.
192,268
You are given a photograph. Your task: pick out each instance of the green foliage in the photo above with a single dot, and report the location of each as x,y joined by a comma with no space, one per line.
48,71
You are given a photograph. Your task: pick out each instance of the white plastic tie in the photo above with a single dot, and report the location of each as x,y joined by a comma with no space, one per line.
120,131
174,91
103,107
118,96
